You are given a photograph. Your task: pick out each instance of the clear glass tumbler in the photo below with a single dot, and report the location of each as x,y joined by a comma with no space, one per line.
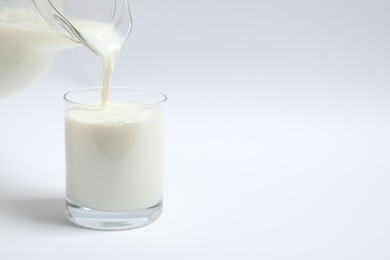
114,157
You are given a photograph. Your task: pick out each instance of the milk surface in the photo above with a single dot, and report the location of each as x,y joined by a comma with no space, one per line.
114,157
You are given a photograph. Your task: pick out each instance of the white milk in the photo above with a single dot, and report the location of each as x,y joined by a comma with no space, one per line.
27,50
114,157
26,54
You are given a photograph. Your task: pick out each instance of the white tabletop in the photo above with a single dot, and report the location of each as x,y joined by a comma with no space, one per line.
277,137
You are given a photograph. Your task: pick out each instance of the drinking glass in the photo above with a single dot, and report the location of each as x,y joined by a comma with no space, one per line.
114,157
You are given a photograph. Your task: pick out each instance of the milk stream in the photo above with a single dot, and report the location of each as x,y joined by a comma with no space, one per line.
107,41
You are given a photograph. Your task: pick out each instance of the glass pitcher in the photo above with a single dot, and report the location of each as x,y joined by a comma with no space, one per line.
32,31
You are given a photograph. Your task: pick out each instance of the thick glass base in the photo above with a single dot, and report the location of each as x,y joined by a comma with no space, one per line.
105,220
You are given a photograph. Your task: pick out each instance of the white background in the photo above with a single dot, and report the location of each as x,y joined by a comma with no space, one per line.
278,135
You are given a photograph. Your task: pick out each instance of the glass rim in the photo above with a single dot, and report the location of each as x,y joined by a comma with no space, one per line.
162,100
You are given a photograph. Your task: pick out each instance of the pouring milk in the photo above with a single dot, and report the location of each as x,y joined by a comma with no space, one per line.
26,52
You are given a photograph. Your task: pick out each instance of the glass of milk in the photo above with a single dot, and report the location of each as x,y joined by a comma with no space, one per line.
114,157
